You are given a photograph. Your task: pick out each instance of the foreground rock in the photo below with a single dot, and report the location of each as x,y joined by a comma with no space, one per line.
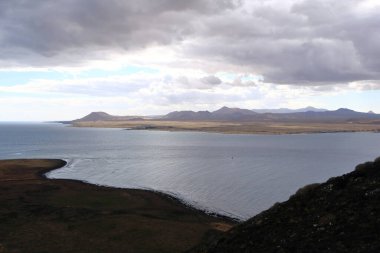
341,215
43,215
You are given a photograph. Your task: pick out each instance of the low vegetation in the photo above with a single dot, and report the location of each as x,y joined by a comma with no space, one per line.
43,215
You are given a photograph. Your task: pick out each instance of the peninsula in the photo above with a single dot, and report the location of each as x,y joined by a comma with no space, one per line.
242,121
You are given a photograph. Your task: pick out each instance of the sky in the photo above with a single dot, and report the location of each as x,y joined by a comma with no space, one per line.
62,59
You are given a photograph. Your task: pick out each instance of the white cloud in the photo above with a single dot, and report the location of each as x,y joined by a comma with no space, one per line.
296,42
205,53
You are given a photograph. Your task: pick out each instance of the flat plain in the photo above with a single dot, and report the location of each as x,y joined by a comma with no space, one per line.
239,127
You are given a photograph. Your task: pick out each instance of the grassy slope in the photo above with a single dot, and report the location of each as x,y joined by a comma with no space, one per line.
41,215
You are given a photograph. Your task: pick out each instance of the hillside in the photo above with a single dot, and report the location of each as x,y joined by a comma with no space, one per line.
340,215
103,116
96,116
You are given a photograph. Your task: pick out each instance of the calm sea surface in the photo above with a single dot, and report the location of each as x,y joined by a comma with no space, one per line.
235,175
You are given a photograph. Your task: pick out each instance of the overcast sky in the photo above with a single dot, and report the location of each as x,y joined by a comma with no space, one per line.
62,59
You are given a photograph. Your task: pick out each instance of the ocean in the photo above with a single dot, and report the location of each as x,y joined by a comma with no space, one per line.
237,175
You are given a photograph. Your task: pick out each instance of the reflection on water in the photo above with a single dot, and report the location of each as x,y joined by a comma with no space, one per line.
237,175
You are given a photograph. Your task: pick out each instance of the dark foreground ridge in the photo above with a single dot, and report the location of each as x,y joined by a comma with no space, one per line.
46,216
340,215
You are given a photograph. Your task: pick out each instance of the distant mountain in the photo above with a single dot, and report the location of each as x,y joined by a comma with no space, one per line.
303,114
103,116
96,116
233,111
308,114
286,110
224,113
188,115
342,114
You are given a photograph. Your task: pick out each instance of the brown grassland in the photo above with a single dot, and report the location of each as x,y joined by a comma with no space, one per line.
230,127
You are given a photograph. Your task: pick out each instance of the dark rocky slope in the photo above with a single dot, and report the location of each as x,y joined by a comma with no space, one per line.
340,215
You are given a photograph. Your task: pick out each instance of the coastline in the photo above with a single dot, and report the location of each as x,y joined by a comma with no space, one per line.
171,197
138,219
260,128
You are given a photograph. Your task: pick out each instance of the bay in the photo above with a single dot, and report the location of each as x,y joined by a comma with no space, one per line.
235,175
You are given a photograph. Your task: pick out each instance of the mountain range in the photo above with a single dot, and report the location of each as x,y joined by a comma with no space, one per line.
287,110
310,114
304,114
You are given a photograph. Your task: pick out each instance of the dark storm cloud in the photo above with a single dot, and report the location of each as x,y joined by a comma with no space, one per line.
43,30
307,43
302,42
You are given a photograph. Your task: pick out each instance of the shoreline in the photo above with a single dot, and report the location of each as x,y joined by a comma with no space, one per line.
252,133
168,196
76,213
178,200
259,128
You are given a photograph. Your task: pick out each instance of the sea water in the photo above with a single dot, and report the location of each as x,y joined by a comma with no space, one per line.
237,175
